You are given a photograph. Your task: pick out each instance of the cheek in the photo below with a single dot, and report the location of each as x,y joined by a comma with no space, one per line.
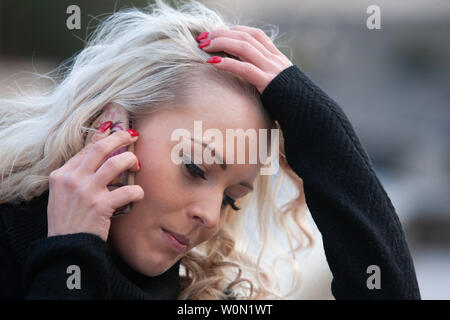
157,178
207,234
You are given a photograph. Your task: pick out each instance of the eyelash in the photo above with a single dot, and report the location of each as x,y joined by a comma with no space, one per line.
231,202
195,171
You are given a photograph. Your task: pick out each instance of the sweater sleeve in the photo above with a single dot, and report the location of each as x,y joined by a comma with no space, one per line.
73,266
9,276
355,216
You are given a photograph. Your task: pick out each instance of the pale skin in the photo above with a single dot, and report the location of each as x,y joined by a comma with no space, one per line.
166,195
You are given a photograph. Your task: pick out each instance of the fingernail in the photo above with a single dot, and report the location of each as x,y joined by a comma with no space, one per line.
139,163
204,43
133,132
202,36
214,59
105,126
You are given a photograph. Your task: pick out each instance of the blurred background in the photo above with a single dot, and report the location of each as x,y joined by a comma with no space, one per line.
393,83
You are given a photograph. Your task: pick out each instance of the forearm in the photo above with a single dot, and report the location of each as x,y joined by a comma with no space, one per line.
357,220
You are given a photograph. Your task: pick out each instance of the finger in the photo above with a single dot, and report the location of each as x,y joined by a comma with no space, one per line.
73,163
246,70
102,131
260,36
100,135
239,35
115,166
89,139
244,50
102,149
122,196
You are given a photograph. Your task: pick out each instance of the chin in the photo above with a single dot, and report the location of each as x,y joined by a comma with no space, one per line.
154,265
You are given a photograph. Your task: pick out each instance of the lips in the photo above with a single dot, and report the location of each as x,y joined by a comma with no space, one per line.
179,237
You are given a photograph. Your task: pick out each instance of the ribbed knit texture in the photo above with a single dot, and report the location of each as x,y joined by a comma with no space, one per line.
355,216
33,266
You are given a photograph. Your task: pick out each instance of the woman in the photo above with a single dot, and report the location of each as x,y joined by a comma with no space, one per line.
169,68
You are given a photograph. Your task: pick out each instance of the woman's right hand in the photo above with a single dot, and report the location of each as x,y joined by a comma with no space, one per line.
79,200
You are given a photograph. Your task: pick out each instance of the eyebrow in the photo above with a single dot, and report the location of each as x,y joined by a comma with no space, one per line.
222,164
217,156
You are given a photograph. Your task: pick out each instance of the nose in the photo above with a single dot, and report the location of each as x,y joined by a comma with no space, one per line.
206,211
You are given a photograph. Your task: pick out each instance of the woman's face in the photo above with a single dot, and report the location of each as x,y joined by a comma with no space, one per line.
176,198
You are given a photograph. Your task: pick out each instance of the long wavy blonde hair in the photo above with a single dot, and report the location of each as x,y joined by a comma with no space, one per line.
141,59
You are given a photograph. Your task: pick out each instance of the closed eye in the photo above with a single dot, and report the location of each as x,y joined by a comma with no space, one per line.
195,171
231,202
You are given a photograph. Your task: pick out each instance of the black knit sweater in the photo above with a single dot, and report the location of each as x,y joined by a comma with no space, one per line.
356,218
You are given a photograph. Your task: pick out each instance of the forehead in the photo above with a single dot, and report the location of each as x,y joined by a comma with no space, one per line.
216,103
213,109
224,108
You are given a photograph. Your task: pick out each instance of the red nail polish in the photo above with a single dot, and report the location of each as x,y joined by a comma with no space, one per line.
214,59
204,43
202,36
133,132
139,163
105,126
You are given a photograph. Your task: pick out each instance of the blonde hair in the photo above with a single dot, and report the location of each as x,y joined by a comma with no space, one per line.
140,59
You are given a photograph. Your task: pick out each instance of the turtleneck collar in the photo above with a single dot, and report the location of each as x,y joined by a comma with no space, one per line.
167,283
27,222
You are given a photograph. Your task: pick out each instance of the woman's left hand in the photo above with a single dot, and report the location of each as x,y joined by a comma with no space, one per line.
260,61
